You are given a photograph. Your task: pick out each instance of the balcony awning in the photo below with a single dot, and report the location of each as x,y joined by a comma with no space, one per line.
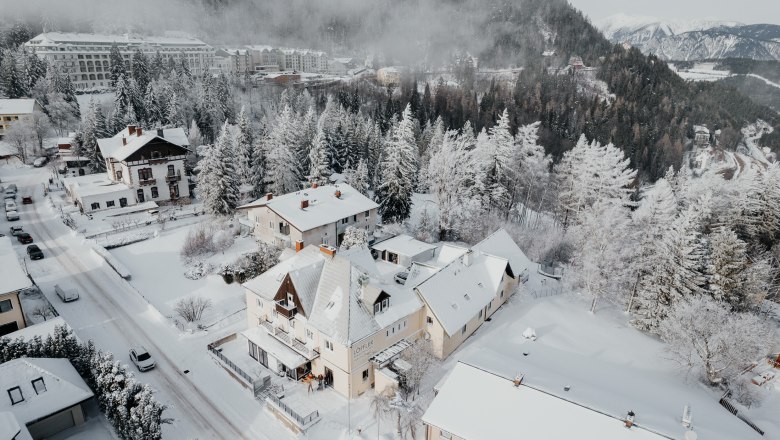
391,353
284,354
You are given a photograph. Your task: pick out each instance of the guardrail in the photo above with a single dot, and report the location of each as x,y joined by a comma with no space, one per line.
552,291
302,421
732,409
213,349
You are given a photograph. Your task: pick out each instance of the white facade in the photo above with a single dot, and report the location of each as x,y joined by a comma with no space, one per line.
85,57
13,110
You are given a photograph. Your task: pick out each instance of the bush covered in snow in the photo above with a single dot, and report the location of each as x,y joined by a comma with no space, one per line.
199,242
252,264
198,269
354,238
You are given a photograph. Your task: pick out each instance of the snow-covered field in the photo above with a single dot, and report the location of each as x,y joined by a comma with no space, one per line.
702,72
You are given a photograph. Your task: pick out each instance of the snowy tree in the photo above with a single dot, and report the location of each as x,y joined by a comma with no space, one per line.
218,183
499,160
421,359
728,259
257,174
358,178
20,137
124,99
34,70
702,335
11,80
116,64
281,164
244,147
398,171
354,238
141,69
318,159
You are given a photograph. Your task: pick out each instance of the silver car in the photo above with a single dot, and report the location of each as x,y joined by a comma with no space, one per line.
141,358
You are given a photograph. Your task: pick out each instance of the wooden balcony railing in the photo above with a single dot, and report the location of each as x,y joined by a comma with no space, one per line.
286,310
150,181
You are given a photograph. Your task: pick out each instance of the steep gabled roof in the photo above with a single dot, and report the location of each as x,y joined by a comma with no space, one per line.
17,106
115,148
13,277
500,244
308,261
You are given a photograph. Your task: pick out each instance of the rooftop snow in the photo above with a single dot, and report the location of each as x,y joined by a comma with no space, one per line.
456,293
93,184
404,245
16,106
74,37
113,147
501,245
64,387
286,355
13,277
324,207
44,329
476,405
267,284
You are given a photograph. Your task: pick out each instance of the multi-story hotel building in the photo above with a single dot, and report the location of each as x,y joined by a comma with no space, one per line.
85,57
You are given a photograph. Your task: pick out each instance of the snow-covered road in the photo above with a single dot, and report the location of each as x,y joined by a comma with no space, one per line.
116,317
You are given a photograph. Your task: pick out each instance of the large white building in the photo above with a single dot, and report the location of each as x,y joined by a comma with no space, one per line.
13,110
85,57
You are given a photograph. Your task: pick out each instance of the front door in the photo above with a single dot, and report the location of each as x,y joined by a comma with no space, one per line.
328,377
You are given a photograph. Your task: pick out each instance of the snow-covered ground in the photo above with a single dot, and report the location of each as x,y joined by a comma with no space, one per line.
702,72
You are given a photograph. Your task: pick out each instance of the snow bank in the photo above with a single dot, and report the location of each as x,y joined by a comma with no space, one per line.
113,262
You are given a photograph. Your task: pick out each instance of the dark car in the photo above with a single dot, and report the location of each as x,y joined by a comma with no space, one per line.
24,238
27,200
34,252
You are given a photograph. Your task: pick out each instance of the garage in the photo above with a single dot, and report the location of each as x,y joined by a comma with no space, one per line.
53,424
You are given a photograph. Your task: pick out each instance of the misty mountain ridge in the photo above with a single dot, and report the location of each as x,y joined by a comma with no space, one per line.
688,40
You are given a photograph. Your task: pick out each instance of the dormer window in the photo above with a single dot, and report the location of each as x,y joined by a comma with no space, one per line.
16,396
381,305
39,386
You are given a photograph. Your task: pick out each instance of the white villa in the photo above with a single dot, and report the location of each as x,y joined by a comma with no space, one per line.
12,110
341,315
142,167
317,215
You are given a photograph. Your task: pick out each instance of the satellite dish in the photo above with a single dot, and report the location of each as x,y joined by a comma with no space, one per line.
690,435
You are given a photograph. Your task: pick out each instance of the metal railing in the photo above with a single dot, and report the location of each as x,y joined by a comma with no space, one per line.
218,353
544,293
299,419
732,409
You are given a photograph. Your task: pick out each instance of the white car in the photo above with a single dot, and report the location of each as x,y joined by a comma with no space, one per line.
66,295
41,161
141,358
11,216
10,205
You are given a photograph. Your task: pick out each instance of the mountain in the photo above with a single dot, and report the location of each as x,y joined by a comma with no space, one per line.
695,39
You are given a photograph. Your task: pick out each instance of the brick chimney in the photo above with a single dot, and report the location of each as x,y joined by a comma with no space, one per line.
124,140
328,250
160,133
518,380
315,185
304,204
338,194
298,246
131,129
138,131
269,196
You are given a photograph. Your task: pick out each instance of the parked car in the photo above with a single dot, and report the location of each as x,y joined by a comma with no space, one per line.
10,205
12,187
34,252
141,358
9,194
24,238
401,277
41,161
16,230
27,200
66,295
11,216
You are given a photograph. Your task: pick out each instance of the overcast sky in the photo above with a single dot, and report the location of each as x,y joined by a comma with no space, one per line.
748,11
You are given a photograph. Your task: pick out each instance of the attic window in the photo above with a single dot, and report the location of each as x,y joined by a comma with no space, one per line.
16,396
39,386
381,306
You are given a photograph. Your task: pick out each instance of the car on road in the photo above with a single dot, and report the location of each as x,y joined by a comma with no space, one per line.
41,161
26,200
16,230
10,205
66,294
34,252
141,358
9,194
401,277
11,216
24,238
11,187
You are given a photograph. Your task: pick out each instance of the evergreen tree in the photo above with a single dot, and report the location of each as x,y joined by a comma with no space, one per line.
34,70
358,178
729,261
124,99
141,70
173,116
318,160
116,64
398,171
257,175
11,81
218,182
157,68
282,165
245,147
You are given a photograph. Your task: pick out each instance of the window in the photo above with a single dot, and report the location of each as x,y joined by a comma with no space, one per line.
16,396
110,204
156,155
429,320
463,330
502,294
6,306
95,205
480,314
292,323
365,375
39,386
118,175
140,194
171,171
354,218
329,345
155,193
145,174
309,334
123,202
344,220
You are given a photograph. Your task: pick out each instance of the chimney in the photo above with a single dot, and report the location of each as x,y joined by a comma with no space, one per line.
131,129
304,204
338,194
160,133
630,419
124,140
269,196
518,380
467,257
138,131
314,185
298,246
328,250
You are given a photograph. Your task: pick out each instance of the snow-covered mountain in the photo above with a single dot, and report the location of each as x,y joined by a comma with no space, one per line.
694,39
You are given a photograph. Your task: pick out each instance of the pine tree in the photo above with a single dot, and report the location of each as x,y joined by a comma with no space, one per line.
282,166
245,147
141,69
729,260
257,175
318,160
116,64
358,178
173,116
218,181
398,171
498,171
124,98
157,68
11,82
34,70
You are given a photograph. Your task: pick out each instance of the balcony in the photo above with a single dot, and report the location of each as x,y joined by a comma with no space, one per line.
170,178
285,309
289,340
149,181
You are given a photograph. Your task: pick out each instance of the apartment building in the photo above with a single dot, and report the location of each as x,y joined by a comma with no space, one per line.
12,282
317,215
85,57
233,61
14,110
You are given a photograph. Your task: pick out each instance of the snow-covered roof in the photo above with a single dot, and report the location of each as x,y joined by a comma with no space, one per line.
44,329
260,47
63,387
9,427
457,292
115,148
500,244
76,37
324,207
94,184
475,404
701,129
13,277
404,245
17,106
274,347
267,284
343,60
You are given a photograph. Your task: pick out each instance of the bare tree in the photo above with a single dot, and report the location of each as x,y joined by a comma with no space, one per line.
40,128
20,136
380,408
420,357
43,310
191,308
199,241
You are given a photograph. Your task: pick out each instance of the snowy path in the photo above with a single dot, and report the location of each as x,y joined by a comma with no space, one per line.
205,403
768,82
